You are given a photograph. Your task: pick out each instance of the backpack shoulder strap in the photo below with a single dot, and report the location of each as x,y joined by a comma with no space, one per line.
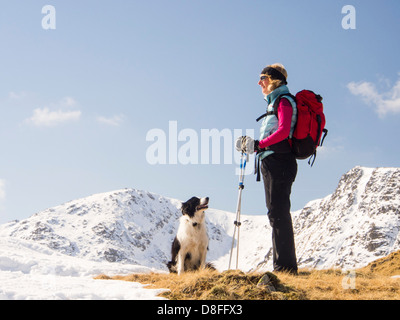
265,114
275,106
278,100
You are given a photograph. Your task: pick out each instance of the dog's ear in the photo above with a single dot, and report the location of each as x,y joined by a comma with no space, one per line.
184,207
189,207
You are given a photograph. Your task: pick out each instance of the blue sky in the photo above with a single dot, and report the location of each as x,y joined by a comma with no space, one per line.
77,102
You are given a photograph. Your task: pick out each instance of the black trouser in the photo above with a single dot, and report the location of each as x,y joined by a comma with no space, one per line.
279,171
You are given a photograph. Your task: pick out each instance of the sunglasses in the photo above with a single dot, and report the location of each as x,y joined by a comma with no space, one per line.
263,78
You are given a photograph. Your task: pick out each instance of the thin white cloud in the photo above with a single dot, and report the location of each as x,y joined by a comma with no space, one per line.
12,95
68,102
115,120
48,117
329,150
384,103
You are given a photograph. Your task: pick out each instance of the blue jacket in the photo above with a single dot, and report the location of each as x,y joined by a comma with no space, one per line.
270,122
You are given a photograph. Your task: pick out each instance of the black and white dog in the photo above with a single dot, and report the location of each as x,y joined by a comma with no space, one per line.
189,249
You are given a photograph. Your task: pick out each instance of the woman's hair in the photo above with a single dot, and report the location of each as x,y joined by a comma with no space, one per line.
276,83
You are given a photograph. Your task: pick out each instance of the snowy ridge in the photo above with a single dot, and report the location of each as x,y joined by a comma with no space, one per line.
129,230
128,226
134,227
358,223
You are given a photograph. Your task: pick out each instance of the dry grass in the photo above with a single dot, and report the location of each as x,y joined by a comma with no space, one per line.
335,285
212,285
374,282
387,266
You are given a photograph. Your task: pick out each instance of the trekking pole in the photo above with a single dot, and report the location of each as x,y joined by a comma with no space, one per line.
243,161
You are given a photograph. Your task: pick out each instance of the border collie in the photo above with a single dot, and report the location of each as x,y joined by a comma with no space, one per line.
189,248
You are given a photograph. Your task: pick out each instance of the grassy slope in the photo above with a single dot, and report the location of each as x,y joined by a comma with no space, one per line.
373,282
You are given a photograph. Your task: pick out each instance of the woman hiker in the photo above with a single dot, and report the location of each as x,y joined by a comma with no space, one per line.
278,164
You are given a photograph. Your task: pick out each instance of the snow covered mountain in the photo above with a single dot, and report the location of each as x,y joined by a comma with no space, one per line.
128,226
358,223
125,226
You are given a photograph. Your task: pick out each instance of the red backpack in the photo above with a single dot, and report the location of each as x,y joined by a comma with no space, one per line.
309,126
